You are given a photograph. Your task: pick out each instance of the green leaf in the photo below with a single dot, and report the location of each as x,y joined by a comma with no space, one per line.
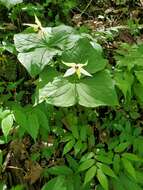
68,146
139,75
78,147
77,182
138,90
90,174
10,3
102,179
27,42
87,156
89,92
57,183
106,170
72,162
129,183
43,122
116,163
139,175
131,156
33,125
129,167
121,147
60,170
104,159
124,81
86,164
4,113
83,132
36,60
20,117
7,124
59,93
117,184
75,132
35,51
70,184
18,187
130,56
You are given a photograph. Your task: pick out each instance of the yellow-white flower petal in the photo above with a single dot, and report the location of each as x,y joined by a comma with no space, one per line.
37,21
69,72
85,72
69,64
82,65
31,25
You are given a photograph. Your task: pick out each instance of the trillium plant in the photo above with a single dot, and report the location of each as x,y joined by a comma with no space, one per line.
69,65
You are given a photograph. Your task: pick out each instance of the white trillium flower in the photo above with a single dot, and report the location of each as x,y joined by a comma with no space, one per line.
76,68
37,26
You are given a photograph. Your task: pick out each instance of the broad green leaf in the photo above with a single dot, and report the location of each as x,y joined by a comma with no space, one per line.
86,164
68,146
131,156
60,170
36,60
116,163
4,113
59,93
138,90
33,125
106,170
121,147
102,179
20,117
43,122
139,75
7,124
124,81
36,51
10,3
57,183
90,174
89,92
83,52
129,167
27,42
96,91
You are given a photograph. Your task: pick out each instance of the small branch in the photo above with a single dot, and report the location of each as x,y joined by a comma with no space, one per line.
86,7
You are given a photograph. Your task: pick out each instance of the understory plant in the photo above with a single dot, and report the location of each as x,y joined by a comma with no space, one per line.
80,124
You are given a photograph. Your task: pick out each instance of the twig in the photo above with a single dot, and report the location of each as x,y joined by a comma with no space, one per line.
86,7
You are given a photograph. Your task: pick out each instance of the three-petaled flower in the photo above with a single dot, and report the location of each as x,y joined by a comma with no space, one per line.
37,26
76,68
